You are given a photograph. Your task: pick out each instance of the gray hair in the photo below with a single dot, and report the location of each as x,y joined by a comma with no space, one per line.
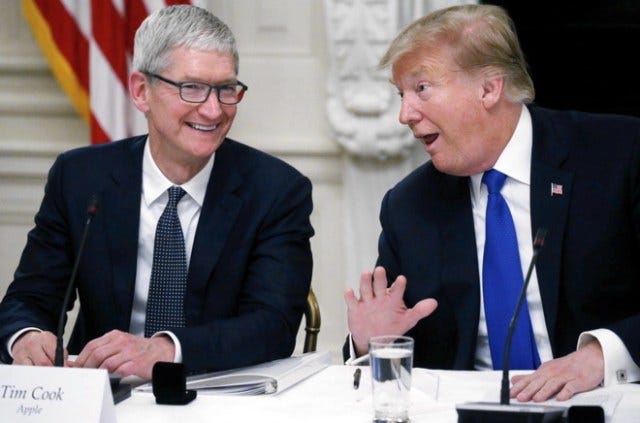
180,26
480,36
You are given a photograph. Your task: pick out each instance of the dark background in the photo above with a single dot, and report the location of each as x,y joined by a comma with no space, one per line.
580,53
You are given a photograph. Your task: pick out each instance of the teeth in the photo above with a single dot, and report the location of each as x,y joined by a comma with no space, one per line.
202,127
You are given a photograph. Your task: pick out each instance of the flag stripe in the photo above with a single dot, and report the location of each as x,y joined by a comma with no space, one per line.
109,35
74,84
135,11
108,98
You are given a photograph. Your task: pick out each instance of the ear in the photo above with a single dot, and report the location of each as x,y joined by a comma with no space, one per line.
139,90
492,89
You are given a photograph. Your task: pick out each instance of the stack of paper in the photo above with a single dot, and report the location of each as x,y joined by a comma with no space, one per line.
266,378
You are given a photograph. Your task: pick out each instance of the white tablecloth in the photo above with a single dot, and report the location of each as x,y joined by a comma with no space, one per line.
329,397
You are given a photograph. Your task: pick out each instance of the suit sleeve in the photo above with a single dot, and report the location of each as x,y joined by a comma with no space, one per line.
387,256
34,298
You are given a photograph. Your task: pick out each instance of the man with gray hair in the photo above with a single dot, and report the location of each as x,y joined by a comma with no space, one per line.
199,251
458,232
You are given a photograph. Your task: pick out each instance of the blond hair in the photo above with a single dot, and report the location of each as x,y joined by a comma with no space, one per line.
480,36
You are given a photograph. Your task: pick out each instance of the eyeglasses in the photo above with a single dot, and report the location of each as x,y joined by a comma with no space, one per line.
198,92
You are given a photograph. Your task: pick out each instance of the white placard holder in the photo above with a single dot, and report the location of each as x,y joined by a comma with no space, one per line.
55,395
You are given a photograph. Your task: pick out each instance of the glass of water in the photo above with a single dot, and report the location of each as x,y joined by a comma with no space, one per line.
391,359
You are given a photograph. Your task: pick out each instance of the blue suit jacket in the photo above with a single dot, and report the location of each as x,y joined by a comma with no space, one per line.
250,266
588,270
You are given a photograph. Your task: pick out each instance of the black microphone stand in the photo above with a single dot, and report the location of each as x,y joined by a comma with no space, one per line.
538,242
59,357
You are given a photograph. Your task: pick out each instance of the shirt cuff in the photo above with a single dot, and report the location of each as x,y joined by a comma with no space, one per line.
352,351
177,358
619,367
353,359
15,337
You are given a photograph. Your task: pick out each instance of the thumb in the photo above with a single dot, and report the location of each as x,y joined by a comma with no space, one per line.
422,309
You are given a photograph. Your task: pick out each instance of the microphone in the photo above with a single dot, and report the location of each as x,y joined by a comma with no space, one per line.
538,242
91,211
481,412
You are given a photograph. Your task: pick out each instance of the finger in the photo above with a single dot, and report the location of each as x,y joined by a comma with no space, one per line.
423,309
530,389
569,390
87,352
35,348
95,352
39,357
24,361
380,282
518,383
350,299
515,379
48,348
548,390
366,291
98,357
116,362
397,288
129,368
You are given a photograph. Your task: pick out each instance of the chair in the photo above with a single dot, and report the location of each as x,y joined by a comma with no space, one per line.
312,321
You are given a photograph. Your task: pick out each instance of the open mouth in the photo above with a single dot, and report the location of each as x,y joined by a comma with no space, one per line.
429,139
206,128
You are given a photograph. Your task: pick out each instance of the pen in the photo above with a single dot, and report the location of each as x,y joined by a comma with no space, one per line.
356,378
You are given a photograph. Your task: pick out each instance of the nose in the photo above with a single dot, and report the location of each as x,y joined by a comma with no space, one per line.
211,108
408,113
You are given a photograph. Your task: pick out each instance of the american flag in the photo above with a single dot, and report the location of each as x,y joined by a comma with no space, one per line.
89,46
556,189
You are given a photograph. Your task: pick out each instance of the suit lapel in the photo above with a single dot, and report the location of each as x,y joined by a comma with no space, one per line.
550,195
460,264
121,205
219,211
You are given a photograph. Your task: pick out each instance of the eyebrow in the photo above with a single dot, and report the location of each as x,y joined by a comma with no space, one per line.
233,80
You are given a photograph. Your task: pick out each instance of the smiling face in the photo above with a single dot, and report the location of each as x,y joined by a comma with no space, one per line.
449,110
183,135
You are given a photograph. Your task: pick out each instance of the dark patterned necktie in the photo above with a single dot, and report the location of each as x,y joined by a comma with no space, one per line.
502,281
165,303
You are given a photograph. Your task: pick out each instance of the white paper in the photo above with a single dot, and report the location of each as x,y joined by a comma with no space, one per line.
266,378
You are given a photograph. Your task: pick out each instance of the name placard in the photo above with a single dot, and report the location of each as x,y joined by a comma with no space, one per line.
55,394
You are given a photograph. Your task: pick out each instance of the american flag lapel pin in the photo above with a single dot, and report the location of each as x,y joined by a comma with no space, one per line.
556,189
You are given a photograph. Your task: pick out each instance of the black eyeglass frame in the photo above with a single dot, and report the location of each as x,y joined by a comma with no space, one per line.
215,88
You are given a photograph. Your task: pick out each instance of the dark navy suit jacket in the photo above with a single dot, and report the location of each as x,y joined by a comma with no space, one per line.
588,270
250,267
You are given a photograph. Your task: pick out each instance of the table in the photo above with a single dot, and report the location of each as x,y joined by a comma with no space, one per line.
329,396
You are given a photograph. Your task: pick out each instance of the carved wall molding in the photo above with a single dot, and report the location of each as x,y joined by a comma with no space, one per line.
361,105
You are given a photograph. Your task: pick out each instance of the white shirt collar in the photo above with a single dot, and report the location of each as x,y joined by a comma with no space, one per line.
515,159
154,183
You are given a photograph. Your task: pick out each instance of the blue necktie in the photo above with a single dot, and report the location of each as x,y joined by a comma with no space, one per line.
165,303
502,281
